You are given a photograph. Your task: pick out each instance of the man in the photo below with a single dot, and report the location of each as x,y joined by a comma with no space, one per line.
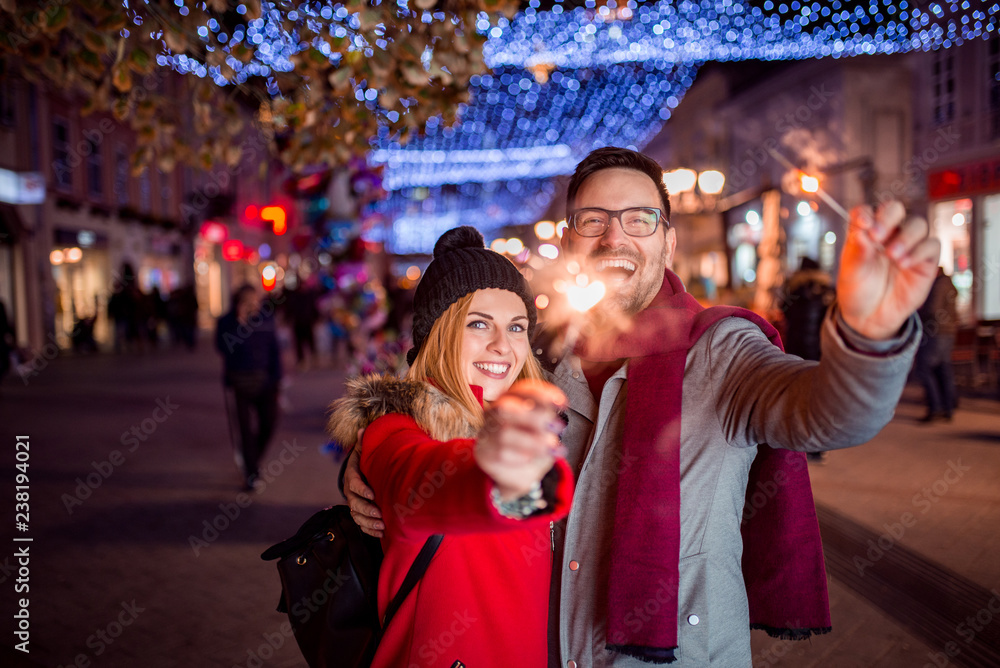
933,368
647,569
808,294
248,343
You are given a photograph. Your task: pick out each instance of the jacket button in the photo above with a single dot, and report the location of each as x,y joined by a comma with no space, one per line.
693,620
574,565
576,375
571,664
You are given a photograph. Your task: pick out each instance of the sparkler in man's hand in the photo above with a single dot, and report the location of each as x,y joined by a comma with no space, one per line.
887,266
581,295
567,295
815,188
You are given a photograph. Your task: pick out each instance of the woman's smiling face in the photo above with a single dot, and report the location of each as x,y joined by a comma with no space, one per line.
495,341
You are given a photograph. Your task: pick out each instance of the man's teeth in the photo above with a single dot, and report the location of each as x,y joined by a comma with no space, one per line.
499,369
616,264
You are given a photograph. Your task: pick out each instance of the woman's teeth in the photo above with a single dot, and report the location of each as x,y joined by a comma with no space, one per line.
498,369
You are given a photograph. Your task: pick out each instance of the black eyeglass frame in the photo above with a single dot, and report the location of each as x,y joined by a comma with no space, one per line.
618,214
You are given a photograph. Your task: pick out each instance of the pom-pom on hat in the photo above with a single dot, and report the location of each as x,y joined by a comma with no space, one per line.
462,264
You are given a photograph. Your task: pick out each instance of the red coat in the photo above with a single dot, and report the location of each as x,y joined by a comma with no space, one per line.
484,598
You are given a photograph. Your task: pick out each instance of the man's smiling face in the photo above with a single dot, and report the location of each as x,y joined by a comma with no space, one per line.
630,267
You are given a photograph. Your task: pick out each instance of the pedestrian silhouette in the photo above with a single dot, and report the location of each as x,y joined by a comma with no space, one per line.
933,366
808,294
247,341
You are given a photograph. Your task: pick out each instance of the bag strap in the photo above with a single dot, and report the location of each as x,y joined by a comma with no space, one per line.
413,576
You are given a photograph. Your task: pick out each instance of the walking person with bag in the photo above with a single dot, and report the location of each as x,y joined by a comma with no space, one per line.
248,343
457,449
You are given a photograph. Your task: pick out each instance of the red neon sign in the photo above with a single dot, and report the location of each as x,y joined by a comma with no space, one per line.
276,215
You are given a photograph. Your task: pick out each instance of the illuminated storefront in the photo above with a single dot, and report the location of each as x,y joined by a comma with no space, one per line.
87,267
964,214
80,271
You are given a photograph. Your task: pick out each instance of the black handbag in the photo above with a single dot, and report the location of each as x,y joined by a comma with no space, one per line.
329,588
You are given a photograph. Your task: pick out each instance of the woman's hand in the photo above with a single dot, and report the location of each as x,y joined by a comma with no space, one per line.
519,440
360,496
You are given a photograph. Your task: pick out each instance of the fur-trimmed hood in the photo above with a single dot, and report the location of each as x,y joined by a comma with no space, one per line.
367,398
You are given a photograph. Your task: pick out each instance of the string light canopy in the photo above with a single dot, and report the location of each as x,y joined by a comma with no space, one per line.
701,30
516,135
518,128
612,75
573,75
571,34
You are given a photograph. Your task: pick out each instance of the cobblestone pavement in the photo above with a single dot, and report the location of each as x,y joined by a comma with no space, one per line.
143,552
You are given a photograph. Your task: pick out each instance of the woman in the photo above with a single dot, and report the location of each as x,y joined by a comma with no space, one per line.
491,481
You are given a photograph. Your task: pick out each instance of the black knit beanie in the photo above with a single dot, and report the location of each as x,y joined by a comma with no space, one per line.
462,264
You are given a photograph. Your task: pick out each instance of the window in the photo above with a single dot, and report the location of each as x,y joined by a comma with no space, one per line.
145,192
62,175
95,169
952,223
166,196
121,175
7,115
989,257
993,86
943,87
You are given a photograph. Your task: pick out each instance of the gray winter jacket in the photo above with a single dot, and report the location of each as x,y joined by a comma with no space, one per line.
739,390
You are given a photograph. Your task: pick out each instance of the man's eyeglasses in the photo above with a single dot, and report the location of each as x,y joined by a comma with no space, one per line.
637,222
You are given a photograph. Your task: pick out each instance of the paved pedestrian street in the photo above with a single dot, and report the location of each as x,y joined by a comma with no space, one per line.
144,551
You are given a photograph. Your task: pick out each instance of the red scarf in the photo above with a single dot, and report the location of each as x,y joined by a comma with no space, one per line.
782,553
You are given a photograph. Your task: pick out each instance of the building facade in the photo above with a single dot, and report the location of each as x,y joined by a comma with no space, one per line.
101,227
923,128
954,171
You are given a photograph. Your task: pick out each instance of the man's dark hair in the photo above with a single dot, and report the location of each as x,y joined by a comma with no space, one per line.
613,156
241,294
808,264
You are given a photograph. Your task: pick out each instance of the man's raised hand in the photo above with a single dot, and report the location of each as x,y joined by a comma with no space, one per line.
886,270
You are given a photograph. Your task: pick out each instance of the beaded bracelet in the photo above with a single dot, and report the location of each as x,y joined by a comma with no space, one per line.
523,506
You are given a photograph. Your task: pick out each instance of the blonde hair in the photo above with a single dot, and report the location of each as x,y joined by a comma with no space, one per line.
440,360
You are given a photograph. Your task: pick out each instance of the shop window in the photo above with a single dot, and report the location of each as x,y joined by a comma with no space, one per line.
62,175
989,259
952,223
943,87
